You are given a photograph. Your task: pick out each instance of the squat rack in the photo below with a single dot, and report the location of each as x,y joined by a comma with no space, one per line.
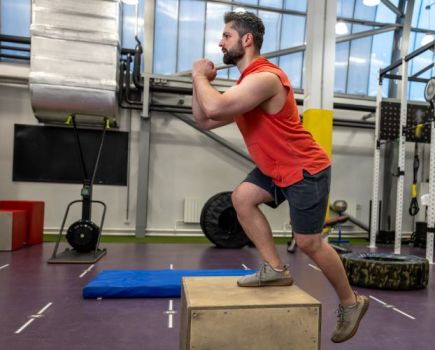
384,73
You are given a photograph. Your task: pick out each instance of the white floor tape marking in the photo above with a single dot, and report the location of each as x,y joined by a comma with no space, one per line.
86,271
18,331
4,266
404,313
392,307
379,301
33,318
170,312
44,308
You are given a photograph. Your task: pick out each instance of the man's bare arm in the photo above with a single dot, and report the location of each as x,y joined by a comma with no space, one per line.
201,119
239,99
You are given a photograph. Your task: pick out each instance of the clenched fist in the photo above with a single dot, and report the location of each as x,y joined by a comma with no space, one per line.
204,67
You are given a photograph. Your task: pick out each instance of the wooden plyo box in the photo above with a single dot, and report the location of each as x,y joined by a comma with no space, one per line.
216,314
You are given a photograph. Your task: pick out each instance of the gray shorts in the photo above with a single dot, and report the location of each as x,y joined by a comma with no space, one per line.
308,198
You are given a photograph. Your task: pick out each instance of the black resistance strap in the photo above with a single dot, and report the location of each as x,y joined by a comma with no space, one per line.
413,207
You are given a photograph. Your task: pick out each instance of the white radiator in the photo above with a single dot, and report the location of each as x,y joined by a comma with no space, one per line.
192,210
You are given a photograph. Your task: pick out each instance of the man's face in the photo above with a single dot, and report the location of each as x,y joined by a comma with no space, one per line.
231,45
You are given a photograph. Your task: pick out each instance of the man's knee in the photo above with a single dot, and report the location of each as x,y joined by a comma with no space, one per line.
248,196
310,243
240,198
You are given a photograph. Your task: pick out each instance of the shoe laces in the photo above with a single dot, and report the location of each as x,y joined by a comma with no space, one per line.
264,268
260,272
340,314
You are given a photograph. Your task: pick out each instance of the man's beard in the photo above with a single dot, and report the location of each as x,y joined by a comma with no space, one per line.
233,55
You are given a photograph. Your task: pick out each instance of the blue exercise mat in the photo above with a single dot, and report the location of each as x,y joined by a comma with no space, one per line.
146,283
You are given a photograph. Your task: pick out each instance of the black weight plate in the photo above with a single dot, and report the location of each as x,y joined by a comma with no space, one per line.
83,236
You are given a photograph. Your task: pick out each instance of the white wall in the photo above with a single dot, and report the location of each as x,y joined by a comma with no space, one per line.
184,163
15,108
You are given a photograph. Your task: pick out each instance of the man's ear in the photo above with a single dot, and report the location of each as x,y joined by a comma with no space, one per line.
248,40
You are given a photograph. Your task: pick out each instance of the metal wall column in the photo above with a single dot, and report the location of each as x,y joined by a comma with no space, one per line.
376,169
402,139
431,208
320,54
319,73
145,122
401,165
389,195
390,150
399,49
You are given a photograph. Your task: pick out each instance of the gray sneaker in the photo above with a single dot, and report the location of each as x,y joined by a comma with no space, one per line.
349,318
266,276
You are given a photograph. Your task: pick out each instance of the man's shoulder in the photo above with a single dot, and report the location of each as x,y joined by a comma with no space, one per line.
268,68
267,79
262,77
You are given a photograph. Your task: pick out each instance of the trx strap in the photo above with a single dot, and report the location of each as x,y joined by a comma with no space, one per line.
413,207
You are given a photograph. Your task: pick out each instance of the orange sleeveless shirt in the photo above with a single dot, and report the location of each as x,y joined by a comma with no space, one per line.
278,143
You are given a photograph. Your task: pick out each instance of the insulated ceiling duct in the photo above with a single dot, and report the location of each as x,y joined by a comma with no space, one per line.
74,60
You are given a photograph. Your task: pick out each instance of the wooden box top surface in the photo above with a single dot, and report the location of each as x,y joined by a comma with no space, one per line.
217,292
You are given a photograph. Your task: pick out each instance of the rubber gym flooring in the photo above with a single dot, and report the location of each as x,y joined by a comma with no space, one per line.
41,305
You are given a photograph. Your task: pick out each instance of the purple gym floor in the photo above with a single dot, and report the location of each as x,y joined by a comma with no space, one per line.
41,305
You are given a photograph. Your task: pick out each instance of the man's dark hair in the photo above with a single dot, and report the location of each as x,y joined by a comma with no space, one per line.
247,22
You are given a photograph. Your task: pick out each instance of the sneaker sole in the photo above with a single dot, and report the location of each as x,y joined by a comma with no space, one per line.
268,284
355,329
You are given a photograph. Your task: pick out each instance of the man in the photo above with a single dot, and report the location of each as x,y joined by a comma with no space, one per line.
290,164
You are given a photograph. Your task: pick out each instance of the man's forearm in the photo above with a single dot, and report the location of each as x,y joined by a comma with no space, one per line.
207,97
198,114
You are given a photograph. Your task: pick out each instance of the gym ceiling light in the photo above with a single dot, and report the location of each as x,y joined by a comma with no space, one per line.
371,2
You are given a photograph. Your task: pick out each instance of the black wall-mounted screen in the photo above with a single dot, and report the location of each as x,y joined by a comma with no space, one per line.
51,154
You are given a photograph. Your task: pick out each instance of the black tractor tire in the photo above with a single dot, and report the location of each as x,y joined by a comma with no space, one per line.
220,224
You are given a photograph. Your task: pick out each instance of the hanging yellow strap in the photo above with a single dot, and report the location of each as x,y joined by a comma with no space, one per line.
418,130
414,191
